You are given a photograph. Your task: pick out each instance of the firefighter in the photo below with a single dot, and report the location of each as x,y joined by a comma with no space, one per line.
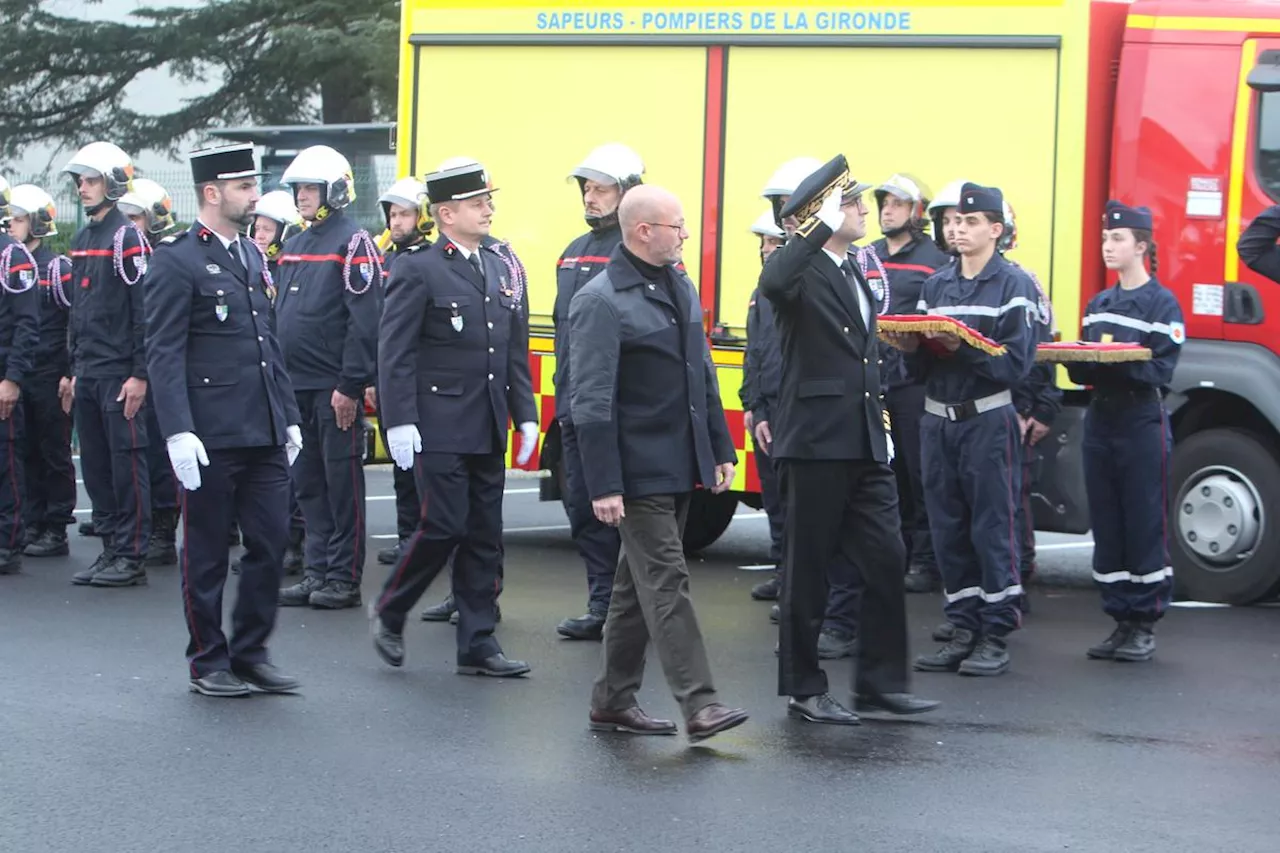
327,302
971,474
1127,439
603,177
50,473
453,366
758,392
275,220
404,211
838,636
150,208
108,366
19,334
909,257
230,420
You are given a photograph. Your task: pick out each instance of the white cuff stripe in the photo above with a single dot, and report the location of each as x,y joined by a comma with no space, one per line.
989,597
1129,577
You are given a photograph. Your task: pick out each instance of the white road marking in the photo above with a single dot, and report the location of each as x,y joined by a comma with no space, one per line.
761,567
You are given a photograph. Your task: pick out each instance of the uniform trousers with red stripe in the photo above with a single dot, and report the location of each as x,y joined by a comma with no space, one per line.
462,512
113,460
972,470
251,485
328,479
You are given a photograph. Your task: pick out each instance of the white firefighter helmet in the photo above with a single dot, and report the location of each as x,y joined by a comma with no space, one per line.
1009,239
30,200
4,199
105,160
948,196
789,176
149,199
322,165
766,227
277,206
407,192
611,163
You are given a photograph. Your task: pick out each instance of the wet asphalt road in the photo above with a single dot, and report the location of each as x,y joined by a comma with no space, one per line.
104,749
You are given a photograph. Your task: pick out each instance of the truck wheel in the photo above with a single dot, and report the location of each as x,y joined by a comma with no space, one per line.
709,517
1225,548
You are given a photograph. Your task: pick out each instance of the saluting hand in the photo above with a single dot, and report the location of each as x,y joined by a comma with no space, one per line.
9,393
609,510
344,410
67,393
134,393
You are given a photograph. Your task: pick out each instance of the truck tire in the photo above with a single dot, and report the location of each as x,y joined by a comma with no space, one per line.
1225,547
709,517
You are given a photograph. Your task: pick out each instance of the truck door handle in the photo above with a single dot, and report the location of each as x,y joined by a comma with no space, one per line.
1243,304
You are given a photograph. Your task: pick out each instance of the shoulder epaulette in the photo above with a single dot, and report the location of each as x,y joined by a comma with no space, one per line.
173,238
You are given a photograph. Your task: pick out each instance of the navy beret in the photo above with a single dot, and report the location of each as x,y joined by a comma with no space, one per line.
979,199
1122,216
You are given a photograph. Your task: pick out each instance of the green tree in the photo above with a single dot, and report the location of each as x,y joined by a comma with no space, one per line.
272,62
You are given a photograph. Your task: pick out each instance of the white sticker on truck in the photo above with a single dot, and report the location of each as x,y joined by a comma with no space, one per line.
1206,204
1206,299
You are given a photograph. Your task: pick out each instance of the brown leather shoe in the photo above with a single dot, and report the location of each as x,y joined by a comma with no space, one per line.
712,720
632,721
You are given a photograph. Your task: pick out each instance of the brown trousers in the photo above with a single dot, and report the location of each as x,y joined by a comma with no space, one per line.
651,601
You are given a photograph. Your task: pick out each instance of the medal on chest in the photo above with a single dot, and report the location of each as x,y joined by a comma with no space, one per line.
455,319
220,310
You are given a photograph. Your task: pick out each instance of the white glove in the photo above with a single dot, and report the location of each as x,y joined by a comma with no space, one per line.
402,443
292,442
186,452
528,441
830,213
888,440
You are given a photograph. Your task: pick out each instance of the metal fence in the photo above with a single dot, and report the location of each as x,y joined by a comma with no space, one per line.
177,182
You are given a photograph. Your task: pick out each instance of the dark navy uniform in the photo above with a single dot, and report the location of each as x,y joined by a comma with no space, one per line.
327,307
453,354
1038,398
218,372
1257,245
106,337
971,448
598,543
51,474
1127,442
907,270
19,332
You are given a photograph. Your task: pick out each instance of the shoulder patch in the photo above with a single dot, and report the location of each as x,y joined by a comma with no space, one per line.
1178,333
173,238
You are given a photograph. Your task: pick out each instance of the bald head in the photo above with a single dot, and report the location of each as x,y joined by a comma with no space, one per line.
652,222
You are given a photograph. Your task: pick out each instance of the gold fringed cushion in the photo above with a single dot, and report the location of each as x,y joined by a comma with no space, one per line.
1084,351
920,323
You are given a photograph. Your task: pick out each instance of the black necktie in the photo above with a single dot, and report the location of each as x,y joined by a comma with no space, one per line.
852,281
477,265
237,254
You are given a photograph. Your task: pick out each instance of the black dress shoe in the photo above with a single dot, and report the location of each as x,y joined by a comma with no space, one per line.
496,666
901,704
50,543
767,591
388,644
220,683
822,708
589,626
265,677
440,612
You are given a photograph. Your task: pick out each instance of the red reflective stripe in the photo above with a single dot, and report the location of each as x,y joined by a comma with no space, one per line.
912,267
91,253
20,267
136,250
66,277
309,259
585,259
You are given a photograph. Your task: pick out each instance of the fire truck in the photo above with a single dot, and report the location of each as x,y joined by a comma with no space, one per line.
1062,103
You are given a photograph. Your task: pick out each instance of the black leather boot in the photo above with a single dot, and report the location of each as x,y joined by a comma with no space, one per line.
991,657
162,549
949,657
1141,643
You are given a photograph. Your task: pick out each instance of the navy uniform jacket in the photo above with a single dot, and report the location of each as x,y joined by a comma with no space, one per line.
580,262
216,367
646,403
1000,304
329,323
453,352
51,355
1039,396
762,362
107,330
19,311
829,405
1257,245
1147,315
907,270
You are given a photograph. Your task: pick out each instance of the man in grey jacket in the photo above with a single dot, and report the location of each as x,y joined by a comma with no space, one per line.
651,429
